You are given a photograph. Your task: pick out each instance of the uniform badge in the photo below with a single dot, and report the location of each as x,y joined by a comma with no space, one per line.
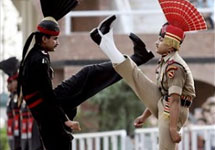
171,71
44,61
171,74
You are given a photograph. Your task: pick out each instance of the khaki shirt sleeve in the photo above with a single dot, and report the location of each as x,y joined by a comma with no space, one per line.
176,81
144,88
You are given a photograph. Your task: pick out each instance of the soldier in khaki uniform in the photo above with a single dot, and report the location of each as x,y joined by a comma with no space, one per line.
168,100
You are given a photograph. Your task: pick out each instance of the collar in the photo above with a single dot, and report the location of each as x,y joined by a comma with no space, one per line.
170,55
44,52
39,47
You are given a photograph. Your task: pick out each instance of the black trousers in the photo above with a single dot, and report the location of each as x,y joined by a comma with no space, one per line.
71,93
85,84
52,129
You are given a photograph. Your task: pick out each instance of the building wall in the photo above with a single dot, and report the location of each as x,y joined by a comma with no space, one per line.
30,14
197,45
81,24
80,46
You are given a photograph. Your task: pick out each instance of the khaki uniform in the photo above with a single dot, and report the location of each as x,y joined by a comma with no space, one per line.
173,76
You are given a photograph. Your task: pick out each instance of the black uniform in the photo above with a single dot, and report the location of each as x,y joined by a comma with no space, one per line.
41,100
10,125
16,122
44,102
30,137
24,126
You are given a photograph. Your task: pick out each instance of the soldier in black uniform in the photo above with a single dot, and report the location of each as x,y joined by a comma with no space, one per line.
9,122
10,67
53,110
16,117
22,130
13,115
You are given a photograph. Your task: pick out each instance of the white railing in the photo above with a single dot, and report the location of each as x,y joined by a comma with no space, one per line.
104,13
189,138
112,140
145,139
145,136
191,134
99,13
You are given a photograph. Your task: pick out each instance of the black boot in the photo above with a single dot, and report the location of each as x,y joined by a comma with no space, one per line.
104,27
141,54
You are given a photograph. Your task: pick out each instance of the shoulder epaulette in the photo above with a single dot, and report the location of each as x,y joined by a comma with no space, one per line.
170,62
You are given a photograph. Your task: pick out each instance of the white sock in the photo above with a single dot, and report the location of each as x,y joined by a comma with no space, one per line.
108,47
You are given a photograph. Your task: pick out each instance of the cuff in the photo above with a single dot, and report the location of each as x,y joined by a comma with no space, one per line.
125,66
125,69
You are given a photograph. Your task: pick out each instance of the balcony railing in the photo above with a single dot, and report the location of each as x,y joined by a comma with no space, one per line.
120,13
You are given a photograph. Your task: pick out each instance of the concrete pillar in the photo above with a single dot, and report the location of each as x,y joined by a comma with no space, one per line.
29,16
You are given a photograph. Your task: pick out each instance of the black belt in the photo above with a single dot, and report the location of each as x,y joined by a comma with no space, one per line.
184,102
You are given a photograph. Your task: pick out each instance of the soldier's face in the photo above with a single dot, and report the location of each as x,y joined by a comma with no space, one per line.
9,87
12,86
162,48
49,44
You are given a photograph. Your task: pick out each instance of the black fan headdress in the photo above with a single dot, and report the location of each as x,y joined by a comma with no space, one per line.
53,10
10,67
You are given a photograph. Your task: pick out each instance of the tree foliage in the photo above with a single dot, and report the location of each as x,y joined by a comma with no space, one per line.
118,106
3,139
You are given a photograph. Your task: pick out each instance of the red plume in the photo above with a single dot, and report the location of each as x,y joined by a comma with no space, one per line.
183,14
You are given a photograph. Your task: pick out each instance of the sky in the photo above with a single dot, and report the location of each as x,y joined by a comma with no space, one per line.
10,37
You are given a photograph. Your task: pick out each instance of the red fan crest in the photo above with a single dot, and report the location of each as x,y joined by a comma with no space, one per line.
183,14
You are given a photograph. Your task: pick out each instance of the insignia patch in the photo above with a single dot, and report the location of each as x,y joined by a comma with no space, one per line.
44,61
171,71
171,74
171,67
